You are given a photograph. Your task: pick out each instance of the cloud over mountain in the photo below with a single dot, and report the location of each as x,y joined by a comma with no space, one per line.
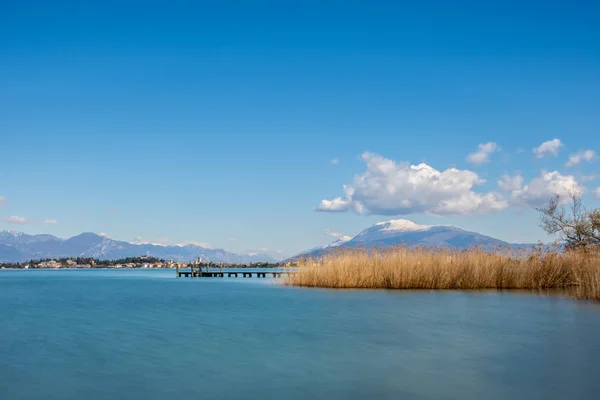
332,233
390,188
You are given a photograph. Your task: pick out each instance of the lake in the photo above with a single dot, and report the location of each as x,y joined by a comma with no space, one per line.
142,334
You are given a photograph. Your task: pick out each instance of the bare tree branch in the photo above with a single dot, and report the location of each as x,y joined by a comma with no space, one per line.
576,226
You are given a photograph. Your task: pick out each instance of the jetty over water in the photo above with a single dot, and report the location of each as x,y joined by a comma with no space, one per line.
197,273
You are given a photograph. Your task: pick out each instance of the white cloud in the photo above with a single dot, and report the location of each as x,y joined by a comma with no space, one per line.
15,219
2,201
549,147
206,245
482,155
335,161
588,178
510,183
390,188
335,205
159,241
597,193
581,155
334,234
542,188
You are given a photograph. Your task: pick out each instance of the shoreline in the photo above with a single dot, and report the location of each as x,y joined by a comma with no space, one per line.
113,268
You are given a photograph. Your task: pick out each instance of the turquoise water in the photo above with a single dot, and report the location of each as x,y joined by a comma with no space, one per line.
146,335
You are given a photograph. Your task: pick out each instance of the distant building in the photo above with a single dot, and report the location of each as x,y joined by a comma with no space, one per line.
49,264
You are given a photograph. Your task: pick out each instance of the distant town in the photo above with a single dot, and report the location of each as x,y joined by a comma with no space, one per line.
145,262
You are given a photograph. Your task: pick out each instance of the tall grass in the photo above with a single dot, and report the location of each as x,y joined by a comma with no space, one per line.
423,268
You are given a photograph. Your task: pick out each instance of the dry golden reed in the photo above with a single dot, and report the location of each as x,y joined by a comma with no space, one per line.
426,268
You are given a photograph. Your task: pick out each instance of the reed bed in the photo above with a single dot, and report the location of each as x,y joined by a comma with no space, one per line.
471,269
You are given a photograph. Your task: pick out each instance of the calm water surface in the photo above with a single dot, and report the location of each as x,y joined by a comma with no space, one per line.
146,335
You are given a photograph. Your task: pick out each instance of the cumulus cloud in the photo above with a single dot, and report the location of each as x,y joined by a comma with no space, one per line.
510,183
15,219
550,147
597,193
482,155
334,205
581,155
390,188
542,188
335,161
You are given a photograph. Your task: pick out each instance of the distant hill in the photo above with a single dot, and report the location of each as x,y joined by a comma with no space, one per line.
20,247
404,232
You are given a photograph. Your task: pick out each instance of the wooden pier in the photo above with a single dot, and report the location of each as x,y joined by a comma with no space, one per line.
233,274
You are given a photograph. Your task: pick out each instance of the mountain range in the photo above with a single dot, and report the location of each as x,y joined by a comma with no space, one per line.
404,232
20,247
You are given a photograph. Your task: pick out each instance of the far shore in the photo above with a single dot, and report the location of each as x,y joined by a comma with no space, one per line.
128,268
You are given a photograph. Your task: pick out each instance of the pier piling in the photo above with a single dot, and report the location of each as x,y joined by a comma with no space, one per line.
199,273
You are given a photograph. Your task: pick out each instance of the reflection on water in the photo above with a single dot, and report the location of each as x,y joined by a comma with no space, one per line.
143,334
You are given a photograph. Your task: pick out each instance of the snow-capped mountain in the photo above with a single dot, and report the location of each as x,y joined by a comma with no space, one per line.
405,232
20,247
388,229
338,242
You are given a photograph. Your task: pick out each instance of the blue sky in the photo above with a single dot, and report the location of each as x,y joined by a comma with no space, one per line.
217,122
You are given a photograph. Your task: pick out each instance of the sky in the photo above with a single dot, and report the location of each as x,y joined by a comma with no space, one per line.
276,126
